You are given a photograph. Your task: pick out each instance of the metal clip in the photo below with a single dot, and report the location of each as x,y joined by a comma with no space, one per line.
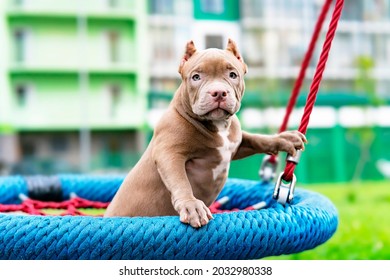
267,169
284,193
295,159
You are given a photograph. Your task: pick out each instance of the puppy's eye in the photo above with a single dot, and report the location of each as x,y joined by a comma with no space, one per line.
232,75
195,77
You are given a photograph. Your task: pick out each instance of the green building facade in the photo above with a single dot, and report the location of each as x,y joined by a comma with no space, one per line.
73,79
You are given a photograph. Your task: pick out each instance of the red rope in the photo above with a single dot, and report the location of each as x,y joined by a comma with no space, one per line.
71,206
311,98
302,72
305,64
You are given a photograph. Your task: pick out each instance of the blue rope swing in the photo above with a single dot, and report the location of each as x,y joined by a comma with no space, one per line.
309,221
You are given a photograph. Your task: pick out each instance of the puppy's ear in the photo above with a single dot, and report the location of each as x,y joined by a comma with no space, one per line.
232,47
189,51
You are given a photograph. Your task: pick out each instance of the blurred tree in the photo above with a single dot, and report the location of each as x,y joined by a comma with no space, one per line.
365,84
364,81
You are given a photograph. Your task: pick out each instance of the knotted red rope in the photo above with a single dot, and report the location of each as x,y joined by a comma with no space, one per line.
71,206
311,98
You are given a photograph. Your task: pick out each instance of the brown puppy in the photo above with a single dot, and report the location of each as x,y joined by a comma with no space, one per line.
187,161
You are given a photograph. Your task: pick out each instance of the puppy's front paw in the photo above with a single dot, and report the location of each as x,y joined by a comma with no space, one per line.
290,142
193,212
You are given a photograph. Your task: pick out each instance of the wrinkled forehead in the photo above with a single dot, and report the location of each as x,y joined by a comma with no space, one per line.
213,61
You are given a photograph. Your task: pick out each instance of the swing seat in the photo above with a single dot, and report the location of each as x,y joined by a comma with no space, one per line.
310,220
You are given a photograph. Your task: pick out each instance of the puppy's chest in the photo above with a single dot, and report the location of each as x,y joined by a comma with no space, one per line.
229,146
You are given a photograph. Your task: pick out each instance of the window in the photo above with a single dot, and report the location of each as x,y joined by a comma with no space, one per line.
22,95
19,37
164,7
163,47
254,48
214,41
251,8
374,9
113,151
112,3
18,3
28,148
59,143
113,46
212,6
353,10
114,92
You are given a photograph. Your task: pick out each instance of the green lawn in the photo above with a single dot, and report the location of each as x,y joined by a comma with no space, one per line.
364,223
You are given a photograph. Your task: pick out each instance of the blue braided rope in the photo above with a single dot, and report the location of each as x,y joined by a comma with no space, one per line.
97,188
308,222
10,188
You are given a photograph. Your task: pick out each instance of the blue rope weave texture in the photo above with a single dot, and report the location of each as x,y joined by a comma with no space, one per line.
308,222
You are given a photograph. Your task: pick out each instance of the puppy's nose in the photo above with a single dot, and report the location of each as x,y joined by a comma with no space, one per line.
219,95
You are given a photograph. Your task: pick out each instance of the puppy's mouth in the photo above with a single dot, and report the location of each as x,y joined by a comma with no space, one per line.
218,113
215,110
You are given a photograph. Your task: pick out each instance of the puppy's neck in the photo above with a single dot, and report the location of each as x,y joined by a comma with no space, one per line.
222,125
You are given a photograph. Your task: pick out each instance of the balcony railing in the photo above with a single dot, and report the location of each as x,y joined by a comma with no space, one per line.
73,7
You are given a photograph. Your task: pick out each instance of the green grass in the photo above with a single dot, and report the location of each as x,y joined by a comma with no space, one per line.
364,223
87,211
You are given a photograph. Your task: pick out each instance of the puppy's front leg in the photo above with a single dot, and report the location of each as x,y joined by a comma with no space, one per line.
288,141
172,172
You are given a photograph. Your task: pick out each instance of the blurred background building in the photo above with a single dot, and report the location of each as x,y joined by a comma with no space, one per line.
73,84
82,85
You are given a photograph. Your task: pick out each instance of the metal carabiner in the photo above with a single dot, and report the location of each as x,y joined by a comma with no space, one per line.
284,193
267,169
295,159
